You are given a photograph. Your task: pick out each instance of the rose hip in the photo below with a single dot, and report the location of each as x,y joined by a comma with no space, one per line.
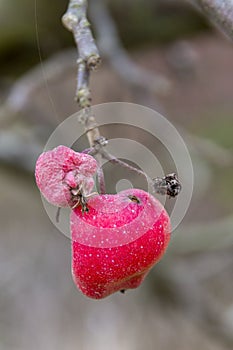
62,169
117,242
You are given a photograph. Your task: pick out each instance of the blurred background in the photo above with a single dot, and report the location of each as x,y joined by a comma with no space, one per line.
161,54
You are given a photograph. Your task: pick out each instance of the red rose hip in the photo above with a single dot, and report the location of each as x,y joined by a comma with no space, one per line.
116,243
62,169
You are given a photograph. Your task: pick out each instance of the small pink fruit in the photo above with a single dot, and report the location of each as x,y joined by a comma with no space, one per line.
60,170
116,243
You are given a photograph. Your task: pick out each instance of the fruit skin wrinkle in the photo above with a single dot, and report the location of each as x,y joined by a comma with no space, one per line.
62,169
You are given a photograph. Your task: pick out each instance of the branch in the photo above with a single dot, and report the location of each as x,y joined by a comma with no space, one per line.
83,94
220,12
101,181
75,20
112,159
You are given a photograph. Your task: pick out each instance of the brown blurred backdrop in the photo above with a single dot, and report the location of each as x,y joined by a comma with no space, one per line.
186,302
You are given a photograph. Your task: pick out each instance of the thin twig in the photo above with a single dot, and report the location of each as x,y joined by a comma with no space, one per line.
101,181
119,162
75,20
83,94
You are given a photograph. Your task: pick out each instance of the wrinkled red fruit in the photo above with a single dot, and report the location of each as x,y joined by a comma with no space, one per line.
117,242
60,170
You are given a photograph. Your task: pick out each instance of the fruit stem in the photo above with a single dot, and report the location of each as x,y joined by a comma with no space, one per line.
100,178
117,161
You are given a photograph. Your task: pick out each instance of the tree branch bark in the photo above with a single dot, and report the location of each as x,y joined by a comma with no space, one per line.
220,12
75,20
